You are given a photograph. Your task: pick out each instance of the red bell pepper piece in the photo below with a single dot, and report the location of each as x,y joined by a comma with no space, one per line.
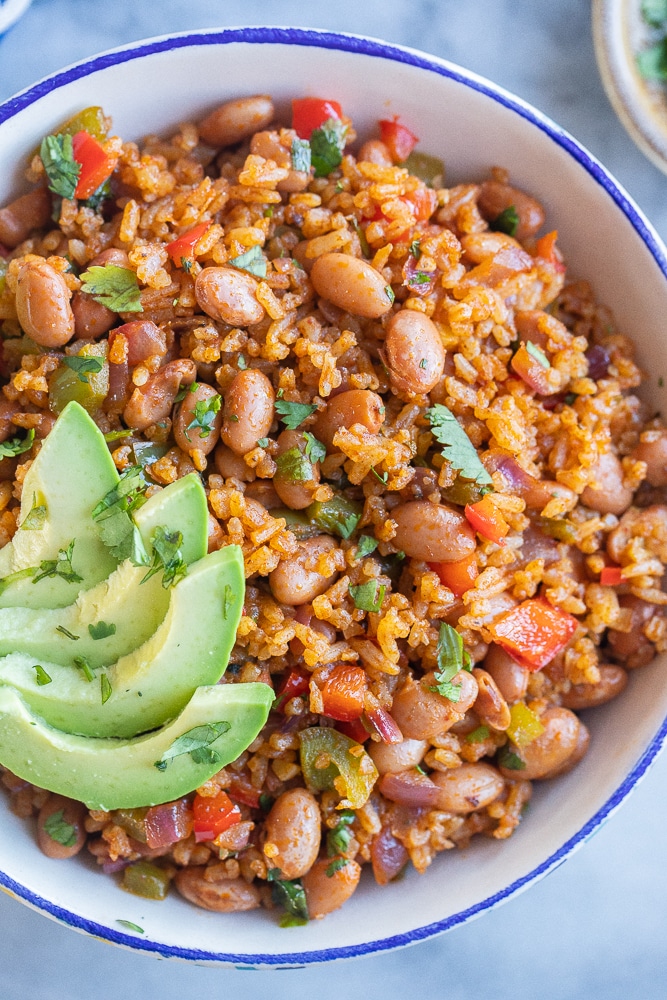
532,365
241,791
213,815
343,692
534,632
295,683
398,139
546,249
309,113
355,730
611,576
183,247
96,164
487,520
458,576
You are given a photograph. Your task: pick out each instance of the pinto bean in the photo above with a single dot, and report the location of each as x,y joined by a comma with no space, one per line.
229,295
112,255
154,400
579,752
228,896
293,831
351,284
413,352
421,713
295,580
652,449
479,246
326,893
375,151
650,523
91,318
495,197
432,532
511,679
633,649
613,680
468,787
490,705
231,465
73,816
392,758
607,494
551,749
8,409
236,120
295,491
263,492
248,411
21,216
355,406
197,438
144,340
268,145
43,304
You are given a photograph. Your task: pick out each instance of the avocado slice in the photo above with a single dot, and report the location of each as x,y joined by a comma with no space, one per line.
135,607
121,774
72,471
152,684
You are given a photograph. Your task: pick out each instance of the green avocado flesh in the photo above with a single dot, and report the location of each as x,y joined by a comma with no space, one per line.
135,607
72,472
190,648
121,774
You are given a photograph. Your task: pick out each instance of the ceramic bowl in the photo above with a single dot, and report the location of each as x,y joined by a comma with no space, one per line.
10,12
620,33
472,125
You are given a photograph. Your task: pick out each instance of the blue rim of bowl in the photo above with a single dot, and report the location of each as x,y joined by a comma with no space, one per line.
383,50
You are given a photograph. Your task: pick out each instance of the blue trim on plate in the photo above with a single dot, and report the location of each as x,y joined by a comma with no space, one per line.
381,50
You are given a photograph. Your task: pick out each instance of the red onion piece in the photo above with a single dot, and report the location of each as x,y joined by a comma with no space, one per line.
409,788
111,867
168,823
144,339
598,361
384,725
388,856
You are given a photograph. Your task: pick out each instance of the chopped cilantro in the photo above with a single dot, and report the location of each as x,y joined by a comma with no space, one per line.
241,362
452,658
113,517
84,666
300,155
315,450
262,442
661,381
115,287
294,465
507,222
383,477
367,544
41,677
59,829
253,261
167,556
652,62
105,688
66,632
338,839
507,758
389,291
654,12
415,249
288,894
35,519
537,354
112,436
326,146
204,415
84,366
293,414
99,196
368,596
101,630
62,170
570,398
335,866
10,449
196,742
478,735
60,566
130,926
459,450
363,242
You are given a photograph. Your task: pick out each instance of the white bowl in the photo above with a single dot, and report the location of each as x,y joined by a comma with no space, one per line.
473,125
10,12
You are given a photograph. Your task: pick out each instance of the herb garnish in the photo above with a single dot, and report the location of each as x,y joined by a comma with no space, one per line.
459,450
204,415
315,450
253,261
335,866
478,735
105,688
368,596
652,61
84,366
300,155
115,287
101,630
62,170
59,830
326,146
536,353
367,544
60,566
452,658
84,666
113,517
35,519
10,449
196,742
41,677
288,894
226,599
507,222
130,926
167,556
66,632
507,758
338,839
293,414
294,465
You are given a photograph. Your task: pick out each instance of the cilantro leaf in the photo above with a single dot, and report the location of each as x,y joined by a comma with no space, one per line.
326,146
338,839
101,630
288,894
478,735
452,658
537,354
41,677
300,155
105,688
507,758
335,866
315,450
368,596
416,249
60,566
113,517
35,519
167,556
652,62
204,415
59,829
507,222
62,170
253,261
293,414
197,742
294,465
130,926
115,287
367,544
459,450
83,366
10,449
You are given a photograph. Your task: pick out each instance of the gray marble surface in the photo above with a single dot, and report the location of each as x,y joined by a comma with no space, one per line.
596,927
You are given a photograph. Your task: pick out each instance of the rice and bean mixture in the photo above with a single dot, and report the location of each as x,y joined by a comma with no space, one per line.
424,437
